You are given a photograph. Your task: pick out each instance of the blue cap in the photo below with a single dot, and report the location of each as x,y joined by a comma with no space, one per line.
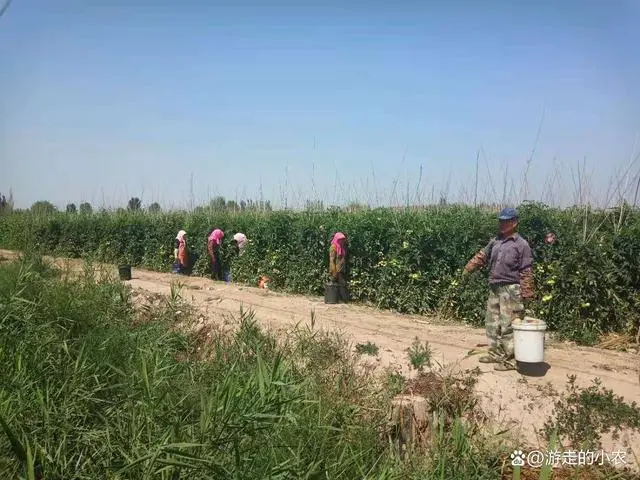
508,214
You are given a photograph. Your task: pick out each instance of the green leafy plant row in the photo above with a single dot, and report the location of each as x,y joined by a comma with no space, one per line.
409,261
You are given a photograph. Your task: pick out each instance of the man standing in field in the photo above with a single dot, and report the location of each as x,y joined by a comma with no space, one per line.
510,287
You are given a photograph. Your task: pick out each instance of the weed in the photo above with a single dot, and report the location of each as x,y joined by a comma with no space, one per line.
583,415
419,355
394,382
116,397
368,348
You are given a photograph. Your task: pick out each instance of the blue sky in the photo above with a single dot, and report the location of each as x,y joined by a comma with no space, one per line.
101,101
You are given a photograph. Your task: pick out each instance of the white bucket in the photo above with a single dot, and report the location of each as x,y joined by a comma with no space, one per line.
528,340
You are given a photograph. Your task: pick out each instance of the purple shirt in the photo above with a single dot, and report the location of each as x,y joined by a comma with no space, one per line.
507,258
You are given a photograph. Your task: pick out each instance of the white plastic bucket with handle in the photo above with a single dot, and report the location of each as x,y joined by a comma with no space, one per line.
528,339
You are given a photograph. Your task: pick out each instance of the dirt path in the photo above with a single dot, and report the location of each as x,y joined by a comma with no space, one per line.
520,400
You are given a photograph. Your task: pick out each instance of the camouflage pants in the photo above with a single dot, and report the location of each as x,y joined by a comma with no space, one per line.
504,306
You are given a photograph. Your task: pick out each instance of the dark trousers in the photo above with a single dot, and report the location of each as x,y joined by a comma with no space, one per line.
341,281
216,267
186,269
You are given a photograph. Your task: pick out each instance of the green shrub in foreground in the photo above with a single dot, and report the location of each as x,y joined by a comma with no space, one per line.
408,261
89,391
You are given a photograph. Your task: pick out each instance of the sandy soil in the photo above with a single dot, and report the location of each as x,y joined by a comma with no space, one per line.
519,400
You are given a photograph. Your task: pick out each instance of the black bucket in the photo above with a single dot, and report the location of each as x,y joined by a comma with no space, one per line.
331,294
124,272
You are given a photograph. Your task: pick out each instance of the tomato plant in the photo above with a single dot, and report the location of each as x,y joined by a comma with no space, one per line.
587,283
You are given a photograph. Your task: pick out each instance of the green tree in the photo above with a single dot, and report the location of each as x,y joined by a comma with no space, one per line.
85,208
155,208
218,204
6,204
134,204
71,208
43,207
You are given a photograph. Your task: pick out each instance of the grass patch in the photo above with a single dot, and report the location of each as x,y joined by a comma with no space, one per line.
368,348
583,415
420,355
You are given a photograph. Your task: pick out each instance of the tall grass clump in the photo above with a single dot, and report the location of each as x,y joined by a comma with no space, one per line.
408,260
95,387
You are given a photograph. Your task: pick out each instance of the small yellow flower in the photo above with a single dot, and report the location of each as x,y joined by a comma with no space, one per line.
414,276
586,305
546,298
405,244
551,282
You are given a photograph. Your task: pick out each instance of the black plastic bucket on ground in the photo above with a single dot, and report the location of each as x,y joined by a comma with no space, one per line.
124,272
331,294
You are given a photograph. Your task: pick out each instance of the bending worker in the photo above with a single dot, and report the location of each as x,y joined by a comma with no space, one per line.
337,263
240,241
214,242
511,286
180,253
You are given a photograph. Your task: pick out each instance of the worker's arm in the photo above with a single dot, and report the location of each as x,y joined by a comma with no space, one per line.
527,285
479,260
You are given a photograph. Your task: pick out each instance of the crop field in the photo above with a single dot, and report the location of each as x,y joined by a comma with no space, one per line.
409,261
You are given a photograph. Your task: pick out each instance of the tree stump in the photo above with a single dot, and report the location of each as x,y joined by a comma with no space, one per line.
409,423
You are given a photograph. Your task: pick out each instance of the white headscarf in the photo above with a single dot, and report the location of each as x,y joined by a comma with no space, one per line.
241,238
181,235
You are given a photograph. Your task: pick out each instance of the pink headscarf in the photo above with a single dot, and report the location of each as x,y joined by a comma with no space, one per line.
180,236
338,242
216,236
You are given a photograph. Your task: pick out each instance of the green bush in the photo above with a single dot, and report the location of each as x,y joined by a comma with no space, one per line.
409,261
